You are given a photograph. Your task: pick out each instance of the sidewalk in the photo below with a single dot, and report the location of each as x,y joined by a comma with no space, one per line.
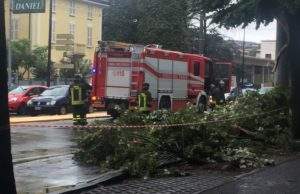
283,178
43,118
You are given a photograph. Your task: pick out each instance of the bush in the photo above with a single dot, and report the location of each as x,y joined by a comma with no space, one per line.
238,133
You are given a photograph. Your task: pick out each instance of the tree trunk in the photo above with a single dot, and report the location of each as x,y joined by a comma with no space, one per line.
281,73
294,56
7,181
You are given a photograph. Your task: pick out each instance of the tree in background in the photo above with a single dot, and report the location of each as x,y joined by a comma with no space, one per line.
147,22
22,57
231,13
169,23
120,21
216,46
7,181
39,66
164,22
81,66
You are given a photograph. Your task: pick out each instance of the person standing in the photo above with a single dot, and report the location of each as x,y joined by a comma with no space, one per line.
145,99
80,100
222,91
214,93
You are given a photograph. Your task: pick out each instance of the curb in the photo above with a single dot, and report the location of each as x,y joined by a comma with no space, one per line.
104,179
56,119
30,159
113,177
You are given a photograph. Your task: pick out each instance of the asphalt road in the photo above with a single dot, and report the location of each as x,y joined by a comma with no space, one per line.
43,159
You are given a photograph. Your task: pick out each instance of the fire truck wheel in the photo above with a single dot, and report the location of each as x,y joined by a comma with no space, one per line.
165,102
113,110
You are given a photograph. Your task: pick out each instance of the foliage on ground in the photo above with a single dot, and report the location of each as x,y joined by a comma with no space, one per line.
238,133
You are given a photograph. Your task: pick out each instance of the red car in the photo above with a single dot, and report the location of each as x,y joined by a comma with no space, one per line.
18,98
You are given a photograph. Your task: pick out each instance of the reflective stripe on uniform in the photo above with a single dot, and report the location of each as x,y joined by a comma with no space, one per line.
143,102
76,95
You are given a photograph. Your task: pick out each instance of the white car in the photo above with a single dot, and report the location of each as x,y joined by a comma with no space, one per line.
265,90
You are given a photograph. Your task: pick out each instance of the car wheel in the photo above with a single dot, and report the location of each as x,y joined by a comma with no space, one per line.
33,113
22,110
62,110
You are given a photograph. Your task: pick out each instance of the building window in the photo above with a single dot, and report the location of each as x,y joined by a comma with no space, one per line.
196,69
72,29
89,37
53,6
53,31
72,7
90,12
15,29
268,56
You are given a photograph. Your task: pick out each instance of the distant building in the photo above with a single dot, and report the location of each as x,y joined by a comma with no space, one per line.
81,18
259,61
268,49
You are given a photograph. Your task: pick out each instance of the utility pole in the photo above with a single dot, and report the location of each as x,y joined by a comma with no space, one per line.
7,180
49,46
243,59
202,34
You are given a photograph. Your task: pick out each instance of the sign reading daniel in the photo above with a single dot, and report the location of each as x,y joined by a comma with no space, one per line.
28,6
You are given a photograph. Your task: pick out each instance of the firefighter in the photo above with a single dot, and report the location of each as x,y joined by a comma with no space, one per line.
145,99
80,100
222,91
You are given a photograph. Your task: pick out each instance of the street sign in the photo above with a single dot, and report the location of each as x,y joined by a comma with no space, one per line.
64,42
28,6
64,47
64,66
65,36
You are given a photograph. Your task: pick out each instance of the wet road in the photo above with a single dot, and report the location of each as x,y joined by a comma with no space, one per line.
43,158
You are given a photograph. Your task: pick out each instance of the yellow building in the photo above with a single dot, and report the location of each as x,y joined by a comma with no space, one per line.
81,18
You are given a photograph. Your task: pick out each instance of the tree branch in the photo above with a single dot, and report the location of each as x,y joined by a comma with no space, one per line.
247,132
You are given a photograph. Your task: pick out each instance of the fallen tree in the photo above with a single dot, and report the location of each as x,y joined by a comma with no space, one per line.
238,133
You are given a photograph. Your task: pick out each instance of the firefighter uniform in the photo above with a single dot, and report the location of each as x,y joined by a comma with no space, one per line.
144,99
79,101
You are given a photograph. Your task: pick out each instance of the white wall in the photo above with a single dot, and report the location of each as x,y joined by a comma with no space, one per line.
268,47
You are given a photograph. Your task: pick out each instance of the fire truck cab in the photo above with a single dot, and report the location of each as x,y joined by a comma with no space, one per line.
175,78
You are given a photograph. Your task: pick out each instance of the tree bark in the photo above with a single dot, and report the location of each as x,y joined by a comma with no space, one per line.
282,69
7,181
294,56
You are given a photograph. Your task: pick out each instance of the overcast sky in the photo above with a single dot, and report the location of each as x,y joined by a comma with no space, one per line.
252,35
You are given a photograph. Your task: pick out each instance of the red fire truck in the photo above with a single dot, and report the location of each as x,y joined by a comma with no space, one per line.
175,78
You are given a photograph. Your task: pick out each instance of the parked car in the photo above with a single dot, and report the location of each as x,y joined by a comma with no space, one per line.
18,97
234,93
54,100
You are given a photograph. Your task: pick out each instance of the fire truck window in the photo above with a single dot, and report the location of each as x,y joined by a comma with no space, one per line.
196,69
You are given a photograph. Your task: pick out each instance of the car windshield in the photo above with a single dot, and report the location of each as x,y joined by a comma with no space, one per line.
19,90
55,91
